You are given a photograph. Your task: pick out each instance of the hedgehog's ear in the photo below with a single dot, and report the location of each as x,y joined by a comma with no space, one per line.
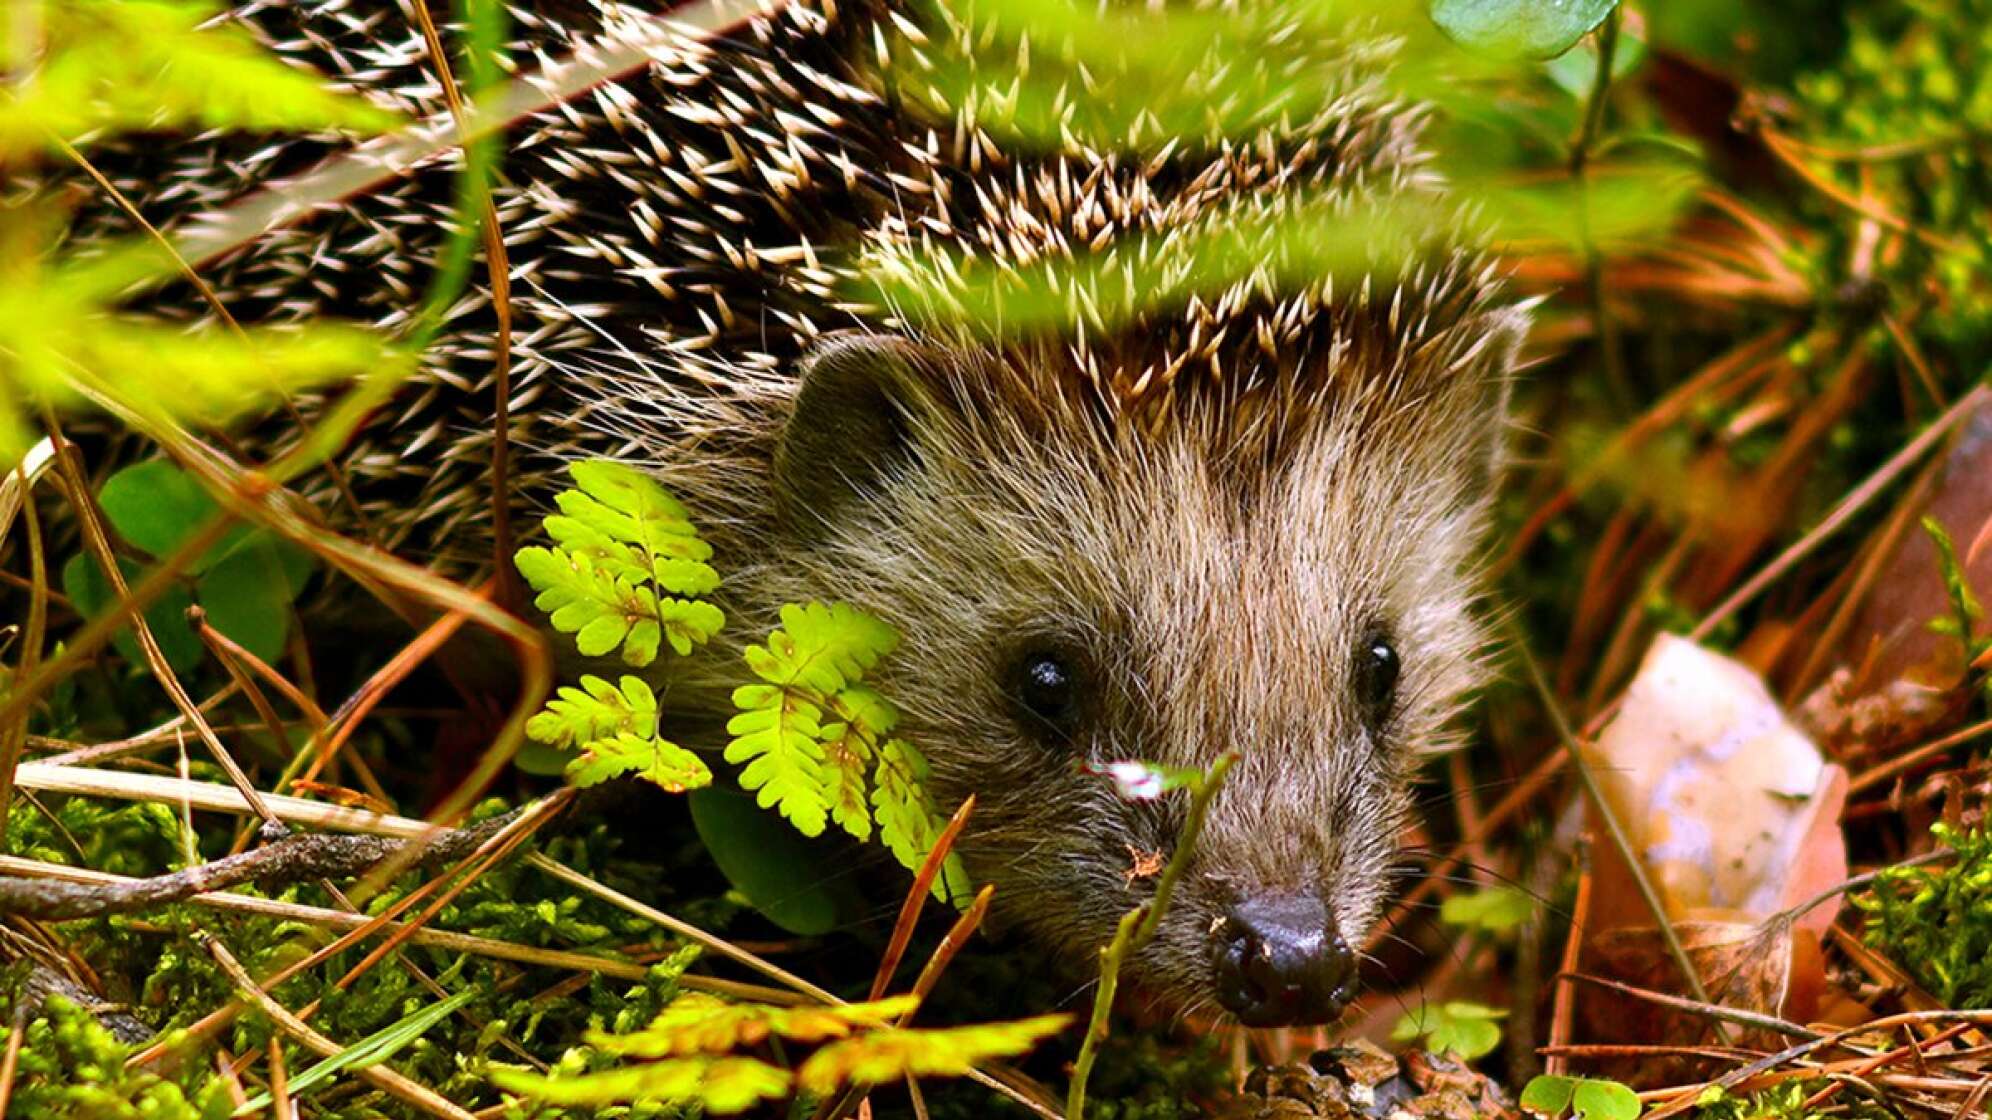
859,400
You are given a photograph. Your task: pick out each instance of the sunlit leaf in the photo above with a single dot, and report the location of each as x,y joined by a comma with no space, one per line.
720,1085
697,1023
887,1055
1549,1095
1494,910
164,64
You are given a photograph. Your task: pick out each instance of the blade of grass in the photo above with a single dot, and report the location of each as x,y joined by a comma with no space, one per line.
406,1089
369,1051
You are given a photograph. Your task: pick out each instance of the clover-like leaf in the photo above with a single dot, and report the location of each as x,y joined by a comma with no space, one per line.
1466,1029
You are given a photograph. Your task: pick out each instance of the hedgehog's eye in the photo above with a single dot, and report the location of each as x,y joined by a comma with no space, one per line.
1377,666
1046,690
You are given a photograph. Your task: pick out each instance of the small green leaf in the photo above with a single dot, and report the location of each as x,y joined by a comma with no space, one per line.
719,1085
1548,1094
596,710
660,762
1466,1029
1966,611
1604,1100
887,1055
1494,910
86,586
697,1023
1587,1099
907,821
156,505
779,739
1519,28
247,595
786,878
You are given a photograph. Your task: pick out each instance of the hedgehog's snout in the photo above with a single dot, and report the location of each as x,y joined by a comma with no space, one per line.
1280,962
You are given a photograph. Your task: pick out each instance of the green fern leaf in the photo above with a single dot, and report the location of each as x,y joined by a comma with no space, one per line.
688,622
847,759
823,647
660,762
596,710
697,1023
907,822
601,611
778,735
879,1056
623,504
624,550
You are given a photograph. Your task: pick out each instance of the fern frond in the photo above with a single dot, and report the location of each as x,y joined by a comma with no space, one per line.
660,762
627,568
697,1023
778,735
596,710
879,1056
603,612
907,821
825,647
815,739
847,759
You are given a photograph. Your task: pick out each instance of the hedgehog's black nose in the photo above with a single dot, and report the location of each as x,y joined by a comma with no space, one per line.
1281,963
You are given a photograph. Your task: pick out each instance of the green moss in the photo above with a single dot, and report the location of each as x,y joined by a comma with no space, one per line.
1936,921
1784,1102
70,1065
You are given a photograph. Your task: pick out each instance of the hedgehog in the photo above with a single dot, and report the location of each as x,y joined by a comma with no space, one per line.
1242,517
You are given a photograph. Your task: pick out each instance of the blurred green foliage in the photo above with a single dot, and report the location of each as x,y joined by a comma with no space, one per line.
1903,116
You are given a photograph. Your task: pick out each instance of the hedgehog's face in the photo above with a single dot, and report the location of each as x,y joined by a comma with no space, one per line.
1072,595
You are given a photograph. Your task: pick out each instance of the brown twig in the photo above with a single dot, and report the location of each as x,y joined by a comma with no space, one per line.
294,858
14,734
1701,1007
99,546
1853,503
498,268
11,1061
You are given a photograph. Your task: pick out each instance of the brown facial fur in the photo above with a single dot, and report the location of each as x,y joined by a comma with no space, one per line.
1212,588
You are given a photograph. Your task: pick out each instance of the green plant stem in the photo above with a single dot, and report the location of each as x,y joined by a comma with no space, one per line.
1609,344
1136,929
